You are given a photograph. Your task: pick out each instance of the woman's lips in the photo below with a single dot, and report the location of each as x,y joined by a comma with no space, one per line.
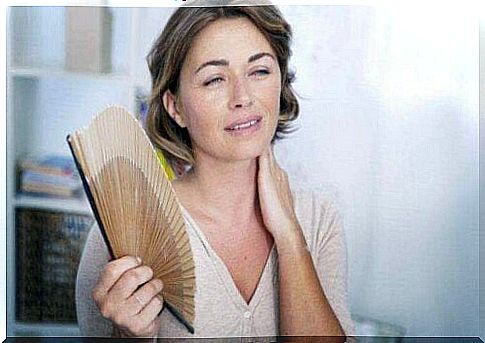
245,127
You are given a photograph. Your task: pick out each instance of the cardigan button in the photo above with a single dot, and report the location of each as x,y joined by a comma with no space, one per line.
247,314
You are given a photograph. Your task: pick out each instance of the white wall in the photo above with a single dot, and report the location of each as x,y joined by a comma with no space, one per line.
389,123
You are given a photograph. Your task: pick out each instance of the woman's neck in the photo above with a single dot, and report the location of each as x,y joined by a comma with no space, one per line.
226,191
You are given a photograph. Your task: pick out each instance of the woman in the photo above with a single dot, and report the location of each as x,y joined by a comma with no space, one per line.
270,259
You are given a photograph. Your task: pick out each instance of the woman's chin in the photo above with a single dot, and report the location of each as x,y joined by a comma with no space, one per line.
249,153
246,151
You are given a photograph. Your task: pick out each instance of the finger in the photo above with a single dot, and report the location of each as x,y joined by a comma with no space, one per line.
144,295
283,174
271,156
263,162
112,272
271,171
151,310
130,281
274,162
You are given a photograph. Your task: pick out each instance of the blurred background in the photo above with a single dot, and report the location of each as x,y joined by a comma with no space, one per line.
388,128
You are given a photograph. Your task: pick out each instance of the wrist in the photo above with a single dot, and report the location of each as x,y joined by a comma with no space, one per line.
291,240
118,333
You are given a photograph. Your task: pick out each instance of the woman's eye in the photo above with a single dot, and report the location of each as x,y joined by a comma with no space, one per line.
213,81
260,72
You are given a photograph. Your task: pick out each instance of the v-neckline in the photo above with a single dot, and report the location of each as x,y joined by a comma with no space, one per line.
221,267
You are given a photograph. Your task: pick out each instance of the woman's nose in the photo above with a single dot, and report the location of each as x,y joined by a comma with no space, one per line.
241,94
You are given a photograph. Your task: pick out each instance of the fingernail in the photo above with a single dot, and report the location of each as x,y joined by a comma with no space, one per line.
148,270
160,297
138,259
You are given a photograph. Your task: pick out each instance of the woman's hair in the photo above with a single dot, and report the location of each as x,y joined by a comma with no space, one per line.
169,52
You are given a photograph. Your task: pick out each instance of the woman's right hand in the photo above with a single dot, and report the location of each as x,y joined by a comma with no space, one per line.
127,294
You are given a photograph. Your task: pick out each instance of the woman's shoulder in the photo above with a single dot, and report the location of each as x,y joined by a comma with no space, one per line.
314,200
95,247
317,210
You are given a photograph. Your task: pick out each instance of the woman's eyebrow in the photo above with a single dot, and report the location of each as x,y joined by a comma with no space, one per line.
223,62
212,63
260,55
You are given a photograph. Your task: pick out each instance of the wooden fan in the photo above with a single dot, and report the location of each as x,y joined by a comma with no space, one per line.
135,205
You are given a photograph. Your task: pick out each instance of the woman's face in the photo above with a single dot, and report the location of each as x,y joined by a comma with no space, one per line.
230,87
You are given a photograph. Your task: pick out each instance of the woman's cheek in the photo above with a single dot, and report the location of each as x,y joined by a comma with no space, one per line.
206,122
216,93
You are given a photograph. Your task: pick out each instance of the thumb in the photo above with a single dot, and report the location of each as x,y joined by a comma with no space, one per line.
160,297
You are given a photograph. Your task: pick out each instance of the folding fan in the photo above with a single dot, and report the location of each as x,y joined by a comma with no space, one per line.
135,205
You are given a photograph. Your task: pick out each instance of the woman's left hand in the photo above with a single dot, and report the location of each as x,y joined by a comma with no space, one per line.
275,198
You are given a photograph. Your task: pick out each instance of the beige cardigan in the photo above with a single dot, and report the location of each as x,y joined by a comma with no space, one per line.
220,309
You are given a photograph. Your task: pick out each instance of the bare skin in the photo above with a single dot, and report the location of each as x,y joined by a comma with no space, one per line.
245,244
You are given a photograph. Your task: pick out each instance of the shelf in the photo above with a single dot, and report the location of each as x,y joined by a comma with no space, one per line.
46,329
46,101
34,73
80,206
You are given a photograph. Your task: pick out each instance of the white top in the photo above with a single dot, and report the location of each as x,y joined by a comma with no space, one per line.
220,310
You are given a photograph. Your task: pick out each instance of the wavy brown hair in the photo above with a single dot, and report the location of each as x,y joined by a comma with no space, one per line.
167,56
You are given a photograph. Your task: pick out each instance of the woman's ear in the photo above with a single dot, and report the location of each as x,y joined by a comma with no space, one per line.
170,104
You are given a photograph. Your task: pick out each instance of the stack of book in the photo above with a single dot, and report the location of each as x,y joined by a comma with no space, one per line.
50,175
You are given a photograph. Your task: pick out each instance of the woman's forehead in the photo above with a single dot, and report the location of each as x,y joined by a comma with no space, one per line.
232,39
